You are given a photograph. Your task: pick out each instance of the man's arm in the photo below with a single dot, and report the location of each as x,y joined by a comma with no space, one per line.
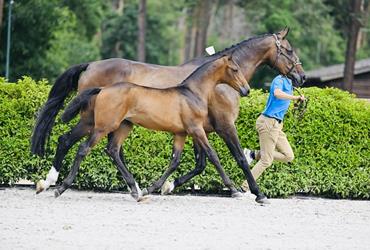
278,93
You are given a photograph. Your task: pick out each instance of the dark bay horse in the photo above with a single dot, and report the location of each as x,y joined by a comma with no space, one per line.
181,110
273,50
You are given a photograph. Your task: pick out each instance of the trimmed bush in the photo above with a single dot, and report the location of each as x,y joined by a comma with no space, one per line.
331,145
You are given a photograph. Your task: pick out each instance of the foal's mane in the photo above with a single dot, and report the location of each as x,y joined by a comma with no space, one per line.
199,72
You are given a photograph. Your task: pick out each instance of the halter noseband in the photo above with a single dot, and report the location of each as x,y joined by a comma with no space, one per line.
281,52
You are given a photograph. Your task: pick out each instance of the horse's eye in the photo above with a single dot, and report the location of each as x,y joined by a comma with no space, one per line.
235,70
290,52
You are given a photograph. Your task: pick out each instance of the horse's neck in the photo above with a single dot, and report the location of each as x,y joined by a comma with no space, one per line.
251,57
250,65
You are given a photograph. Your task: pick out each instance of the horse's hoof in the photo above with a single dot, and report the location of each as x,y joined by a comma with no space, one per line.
145,192
262,200
236,195
167,188
56,193
40,186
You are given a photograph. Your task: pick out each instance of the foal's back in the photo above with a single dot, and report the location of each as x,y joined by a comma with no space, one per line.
157,109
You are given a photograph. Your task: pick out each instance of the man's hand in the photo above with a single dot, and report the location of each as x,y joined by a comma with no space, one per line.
300,98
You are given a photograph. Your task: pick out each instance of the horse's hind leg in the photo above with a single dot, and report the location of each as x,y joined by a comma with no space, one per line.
114,151
200,157
65,142
83,150
178,146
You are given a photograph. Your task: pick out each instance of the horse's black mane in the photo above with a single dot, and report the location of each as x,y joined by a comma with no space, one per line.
205,62
248,43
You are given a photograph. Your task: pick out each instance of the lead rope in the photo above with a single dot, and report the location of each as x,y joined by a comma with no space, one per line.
300,107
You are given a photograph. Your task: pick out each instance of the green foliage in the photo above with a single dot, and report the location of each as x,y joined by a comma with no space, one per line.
312,31
49,36
331,145
89,14
120,32
32,35
68,46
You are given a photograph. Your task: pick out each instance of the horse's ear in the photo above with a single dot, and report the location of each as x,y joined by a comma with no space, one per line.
283,33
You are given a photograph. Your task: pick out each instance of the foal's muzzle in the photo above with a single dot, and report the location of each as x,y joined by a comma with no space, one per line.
244,91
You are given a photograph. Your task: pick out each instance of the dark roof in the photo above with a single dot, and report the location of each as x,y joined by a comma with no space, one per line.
336,71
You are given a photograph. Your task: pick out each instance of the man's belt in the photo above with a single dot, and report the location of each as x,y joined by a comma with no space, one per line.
278,120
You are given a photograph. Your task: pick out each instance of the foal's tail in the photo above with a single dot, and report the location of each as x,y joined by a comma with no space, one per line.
78,103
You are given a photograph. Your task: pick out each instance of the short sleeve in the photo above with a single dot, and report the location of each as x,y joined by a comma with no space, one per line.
277,83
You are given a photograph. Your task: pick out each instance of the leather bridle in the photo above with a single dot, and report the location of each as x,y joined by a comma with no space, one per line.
279,47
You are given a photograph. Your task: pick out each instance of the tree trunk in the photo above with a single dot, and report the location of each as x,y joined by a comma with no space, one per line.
118,6
354,27
362,36
202,22
142,31
188,34
228,19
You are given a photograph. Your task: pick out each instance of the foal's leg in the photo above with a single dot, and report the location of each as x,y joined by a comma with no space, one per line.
114,151
83,150
200,136
178,146
229,134
200,158
65,142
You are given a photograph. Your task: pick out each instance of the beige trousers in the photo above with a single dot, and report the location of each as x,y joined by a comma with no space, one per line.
274,145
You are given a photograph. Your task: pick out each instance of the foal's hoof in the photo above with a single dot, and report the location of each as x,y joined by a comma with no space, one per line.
236,195
57,193
143,198
167,188
145,192
139,197
262,200
40,186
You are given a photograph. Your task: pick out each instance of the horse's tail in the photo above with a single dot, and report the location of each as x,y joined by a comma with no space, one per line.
65,83
78,103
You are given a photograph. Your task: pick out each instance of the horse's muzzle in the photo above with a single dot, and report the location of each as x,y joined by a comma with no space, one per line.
244,91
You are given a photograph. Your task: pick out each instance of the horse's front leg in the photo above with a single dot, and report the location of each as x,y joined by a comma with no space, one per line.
200,158
178,146
200,137
229,134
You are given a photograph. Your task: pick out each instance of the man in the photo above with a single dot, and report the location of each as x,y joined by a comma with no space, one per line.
274,144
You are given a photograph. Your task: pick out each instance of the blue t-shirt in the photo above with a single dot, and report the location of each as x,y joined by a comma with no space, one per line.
278,107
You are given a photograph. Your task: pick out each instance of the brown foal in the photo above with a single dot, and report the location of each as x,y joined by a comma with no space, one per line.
181,110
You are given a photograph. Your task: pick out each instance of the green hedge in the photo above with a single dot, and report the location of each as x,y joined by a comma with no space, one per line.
331,145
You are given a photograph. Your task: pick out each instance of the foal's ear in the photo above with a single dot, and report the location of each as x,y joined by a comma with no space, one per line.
226,58
284,33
